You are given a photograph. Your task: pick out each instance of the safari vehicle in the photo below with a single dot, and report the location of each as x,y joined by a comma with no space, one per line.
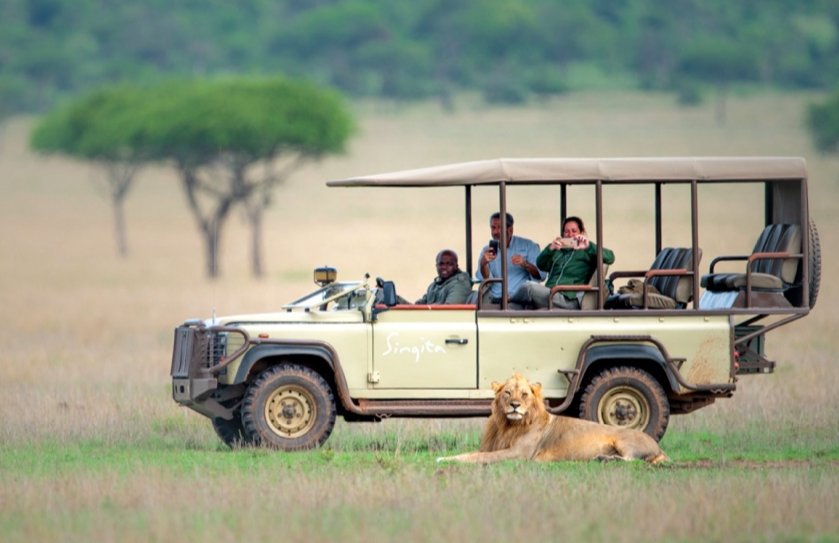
349,349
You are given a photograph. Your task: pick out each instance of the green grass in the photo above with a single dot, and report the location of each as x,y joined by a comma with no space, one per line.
161,493
388,450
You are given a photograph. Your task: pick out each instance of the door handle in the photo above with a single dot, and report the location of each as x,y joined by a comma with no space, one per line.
458,341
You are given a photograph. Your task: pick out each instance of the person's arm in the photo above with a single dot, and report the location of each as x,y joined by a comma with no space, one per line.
483,269
424,299
460,290
608,256
545,258
533,270
531,256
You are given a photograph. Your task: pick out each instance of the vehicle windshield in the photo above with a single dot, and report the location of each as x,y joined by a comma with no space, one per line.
345,294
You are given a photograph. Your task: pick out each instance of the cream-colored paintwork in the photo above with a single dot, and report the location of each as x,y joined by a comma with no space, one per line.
539,345
345,331
410,349
406,349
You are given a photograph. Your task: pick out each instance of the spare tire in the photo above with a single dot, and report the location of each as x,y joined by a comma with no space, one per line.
814,265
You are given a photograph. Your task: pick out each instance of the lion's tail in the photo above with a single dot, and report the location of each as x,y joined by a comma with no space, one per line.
659,458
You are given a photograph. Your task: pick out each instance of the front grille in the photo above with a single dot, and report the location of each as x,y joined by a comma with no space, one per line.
218,347
195,350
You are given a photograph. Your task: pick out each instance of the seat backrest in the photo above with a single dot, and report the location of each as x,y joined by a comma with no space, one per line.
589,299
680,288
778,238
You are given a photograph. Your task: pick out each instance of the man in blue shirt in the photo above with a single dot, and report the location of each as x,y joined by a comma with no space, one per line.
521,260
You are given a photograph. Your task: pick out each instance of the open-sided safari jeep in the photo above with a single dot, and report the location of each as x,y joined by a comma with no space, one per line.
349,349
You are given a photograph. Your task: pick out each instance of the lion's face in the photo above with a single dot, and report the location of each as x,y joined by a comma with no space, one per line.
517,398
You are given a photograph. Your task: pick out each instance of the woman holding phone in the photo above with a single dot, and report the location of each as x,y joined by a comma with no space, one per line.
569,260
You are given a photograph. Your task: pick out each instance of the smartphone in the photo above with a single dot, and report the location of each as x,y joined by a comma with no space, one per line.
493,245
568,242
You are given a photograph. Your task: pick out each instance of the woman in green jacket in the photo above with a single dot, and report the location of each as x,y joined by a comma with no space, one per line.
569,260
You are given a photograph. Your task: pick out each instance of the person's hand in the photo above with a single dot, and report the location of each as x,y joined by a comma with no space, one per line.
582,242
518,260
556,244
489,256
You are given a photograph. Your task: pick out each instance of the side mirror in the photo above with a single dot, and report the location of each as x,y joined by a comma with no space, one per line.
389,293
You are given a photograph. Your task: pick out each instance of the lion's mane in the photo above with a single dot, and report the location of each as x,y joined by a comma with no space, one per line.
500,432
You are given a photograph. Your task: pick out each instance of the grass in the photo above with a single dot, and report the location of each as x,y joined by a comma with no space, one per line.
92,448
127,493
181,453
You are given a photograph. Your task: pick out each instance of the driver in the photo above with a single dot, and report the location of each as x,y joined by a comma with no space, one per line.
451,286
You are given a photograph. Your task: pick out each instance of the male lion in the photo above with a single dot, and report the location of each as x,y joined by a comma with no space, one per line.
521,428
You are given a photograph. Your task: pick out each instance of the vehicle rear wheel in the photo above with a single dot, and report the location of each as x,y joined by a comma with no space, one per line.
290,408
231,432
627,397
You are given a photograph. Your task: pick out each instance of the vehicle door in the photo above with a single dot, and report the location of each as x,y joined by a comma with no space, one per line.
534,343
418,347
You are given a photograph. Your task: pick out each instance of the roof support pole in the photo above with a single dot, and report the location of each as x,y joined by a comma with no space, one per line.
658,218
502,243
468,201
768,205
694,233
563,203
601,295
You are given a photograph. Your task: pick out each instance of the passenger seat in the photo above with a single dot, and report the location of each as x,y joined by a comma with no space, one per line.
767,270
672,276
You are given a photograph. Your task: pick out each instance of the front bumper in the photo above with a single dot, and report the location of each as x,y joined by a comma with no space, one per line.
198,355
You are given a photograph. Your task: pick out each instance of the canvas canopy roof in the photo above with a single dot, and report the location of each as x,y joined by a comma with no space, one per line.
552,170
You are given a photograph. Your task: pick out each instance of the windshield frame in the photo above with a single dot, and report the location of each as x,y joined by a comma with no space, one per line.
325,295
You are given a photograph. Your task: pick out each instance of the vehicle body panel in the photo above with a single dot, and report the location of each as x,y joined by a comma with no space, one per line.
425,349
345,331
539,344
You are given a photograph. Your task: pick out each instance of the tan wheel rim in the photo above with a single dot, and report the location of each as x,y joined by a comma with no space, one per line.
290,411
624,406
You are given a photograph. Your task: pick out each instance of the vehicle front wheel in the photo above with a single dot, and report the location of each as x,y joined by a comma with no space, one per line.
627,397
231,432
289,407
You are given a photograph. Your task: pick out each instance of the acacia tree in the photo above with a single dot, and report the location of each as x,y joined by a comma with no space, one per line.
823,123
233,141
91,129
720,62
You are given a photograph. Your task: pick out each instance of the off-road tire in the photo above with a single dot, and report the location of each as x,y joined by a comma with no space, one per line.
289,408
627,397
231,432
815,264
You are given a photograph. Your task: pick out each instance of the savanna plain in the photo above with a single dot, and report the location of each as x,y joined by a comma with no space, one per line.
92,447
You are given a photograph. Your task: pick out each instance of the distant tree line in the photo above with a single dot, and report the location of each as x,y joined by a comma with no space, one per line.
507,50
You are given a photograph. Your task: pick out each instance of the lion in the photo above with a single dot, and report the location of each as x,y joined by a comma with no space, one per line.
520,428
